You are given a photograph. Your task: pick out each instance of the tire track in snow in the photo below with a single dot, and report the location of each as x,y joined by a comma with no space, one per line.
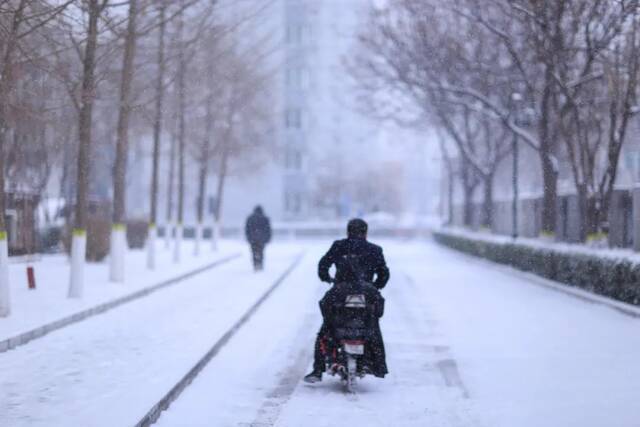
172,395
448,367
452,408
290,377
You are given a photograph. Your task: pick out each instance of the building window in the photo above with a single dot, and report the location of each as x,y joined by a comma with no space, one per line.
294,33
302,78
632,163
297,78
293,160
297,203
298,160
291,77
293,118
293,202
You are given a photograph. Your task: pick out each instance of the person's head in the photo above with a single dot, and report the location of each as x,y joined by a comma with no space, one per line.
258,209
357,229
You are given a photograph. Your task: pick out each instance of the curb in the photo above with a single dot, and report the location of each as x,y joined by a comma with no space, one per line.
26,337
534,279
163,404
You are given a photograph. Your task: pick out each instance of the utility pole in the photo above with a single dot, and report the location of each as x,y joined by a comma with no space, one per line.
515,187
516,98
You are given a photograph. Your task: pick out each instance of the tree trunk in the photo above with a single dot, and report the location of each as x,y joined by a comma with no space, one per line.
204,159
118,233
6,82
487,217
157,122
181,137
84,152
451,195
450,182
202,188
222,177
550,193
549,169
217,212
85,117
202,183
122,143
468,188
170,187
468,205
584,214
157,129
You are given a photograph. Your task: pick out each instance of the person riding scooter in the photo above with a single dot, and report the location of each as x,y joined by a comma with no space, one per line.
351,310
372,269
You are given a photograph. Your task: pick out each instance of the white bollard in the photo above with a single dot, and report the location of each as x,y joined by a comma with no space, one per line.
78,259
198,236
151,247
5,295
177,248
117,252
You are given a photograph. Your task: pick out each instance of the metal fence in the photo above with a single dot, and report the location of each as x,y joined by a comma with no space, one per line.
623,218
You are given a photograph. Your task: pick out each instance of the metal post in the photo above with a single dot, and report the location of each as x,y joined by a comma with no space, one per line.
636,218
515,187
516,99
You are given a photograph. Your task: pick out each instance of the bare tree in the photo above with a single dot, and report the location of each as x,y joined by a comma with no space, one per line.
409,50
596,104
479,54
181,89
244,119
118,234
157,130
94,9
19,20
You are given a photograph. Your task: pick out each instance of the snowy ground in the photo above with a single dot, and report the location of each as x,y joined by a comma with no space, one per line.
49,302
468,345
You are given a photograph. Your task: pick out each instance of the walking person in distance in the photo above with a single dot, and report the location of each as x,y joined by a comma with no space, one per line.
258,233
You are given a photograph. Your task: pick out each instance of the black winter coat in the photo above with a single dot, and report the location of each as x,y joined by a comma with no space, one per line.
258,228
371,261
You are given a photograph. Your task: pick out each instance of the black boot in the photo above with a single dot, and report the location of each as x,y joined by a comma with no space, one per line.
314,377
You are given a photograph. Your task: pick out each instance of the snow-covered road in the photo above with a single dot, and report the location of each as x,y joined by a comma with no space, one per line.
468,345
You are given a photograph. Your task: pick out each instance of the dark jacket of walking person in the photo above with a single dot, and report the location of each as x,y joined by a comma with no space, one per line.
372,268
258,233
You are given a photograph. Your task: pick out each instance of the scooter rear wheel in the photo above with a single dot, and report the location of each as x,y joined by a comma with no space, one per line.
351,374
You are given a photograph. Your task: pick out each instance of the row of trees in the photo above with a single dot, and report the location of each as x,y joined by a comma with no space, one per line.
559,75
80,78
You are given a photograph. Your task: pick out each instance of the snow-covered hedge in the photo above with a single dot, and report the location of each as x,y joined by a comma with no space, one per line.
611,276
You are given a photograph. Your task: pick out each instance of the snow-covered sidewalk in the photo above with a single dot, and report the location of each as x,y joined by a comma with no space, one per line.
49,303
111,369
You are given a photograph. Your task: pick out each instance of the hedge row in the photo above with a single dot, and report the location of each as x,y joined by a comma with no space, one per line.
615,278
